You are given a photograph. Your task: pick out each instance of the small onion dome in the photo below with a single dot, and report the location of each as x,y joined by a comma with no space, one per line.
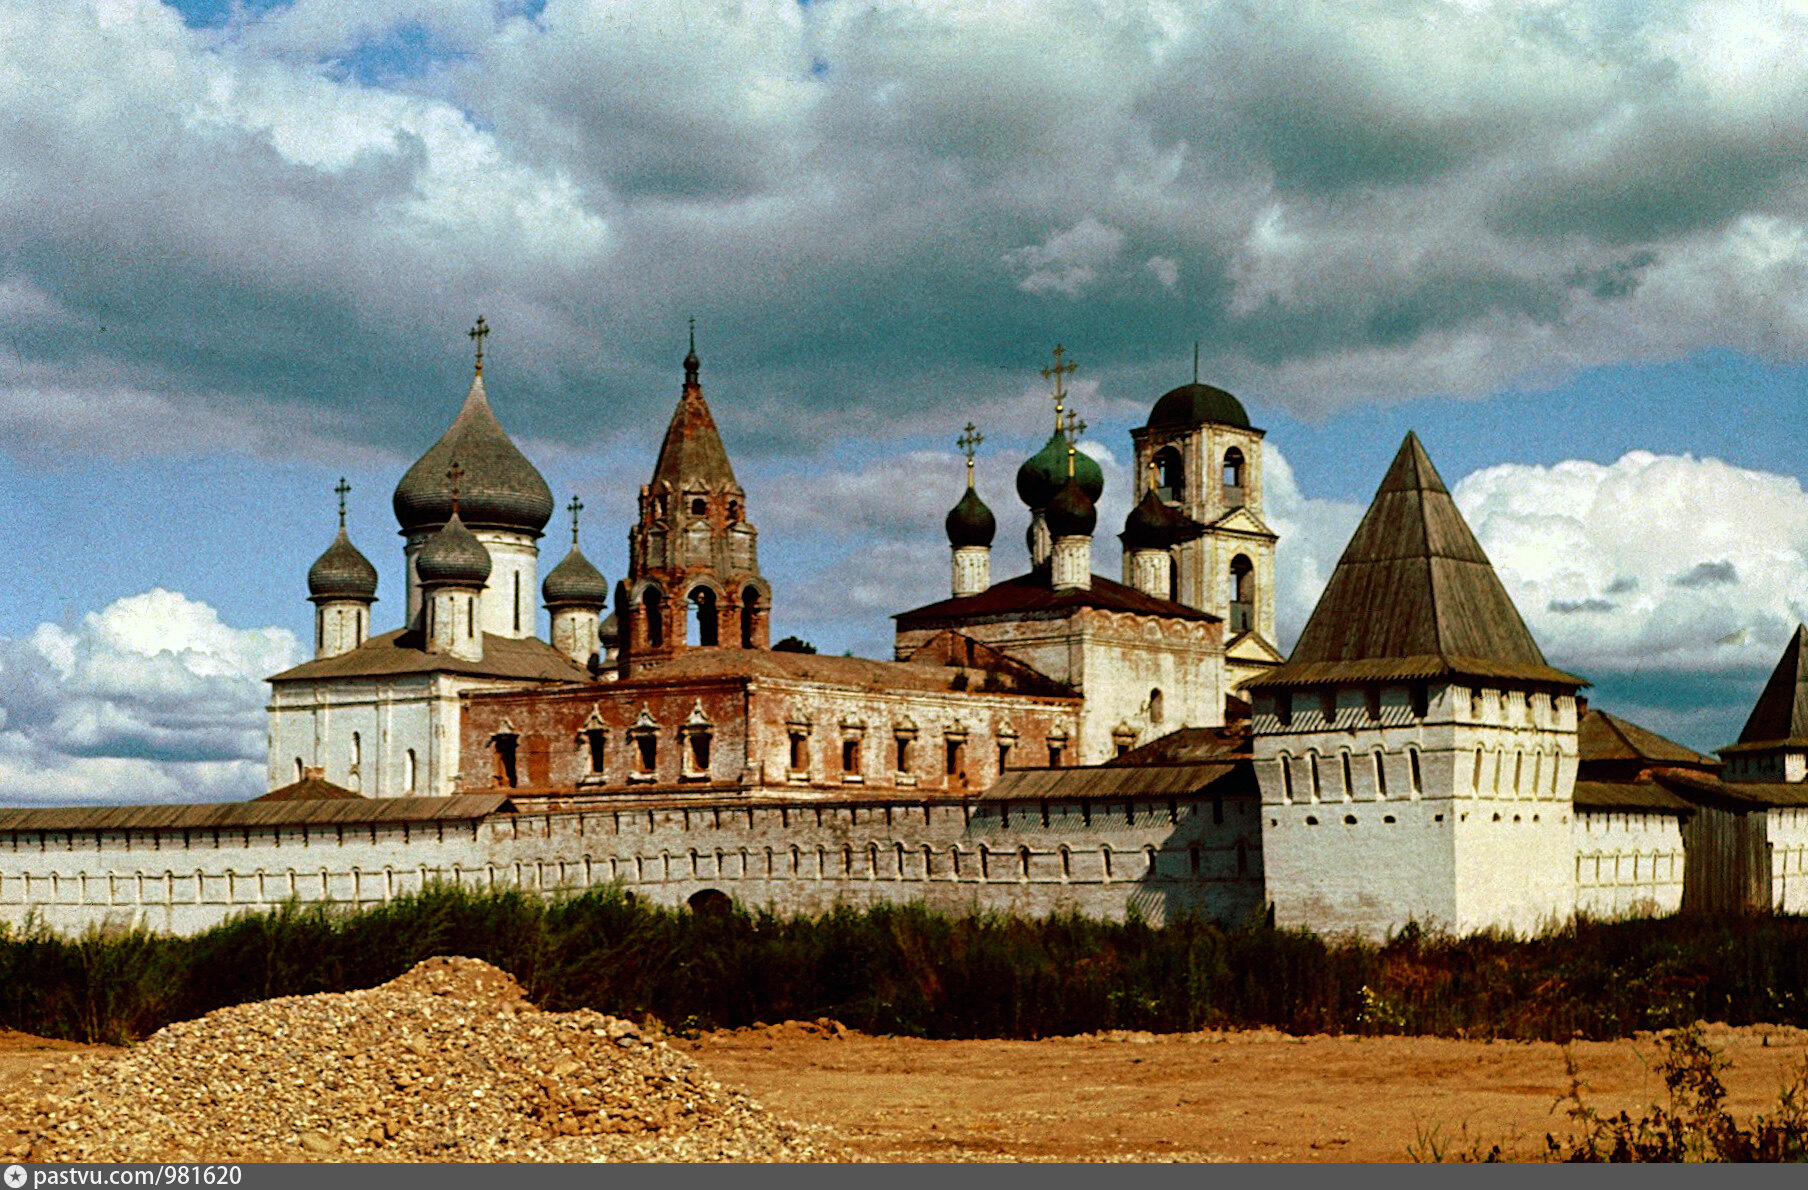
1072,513
1044,473
970,522
453,557
499,488
1154,525
1195,404
342,573
575,583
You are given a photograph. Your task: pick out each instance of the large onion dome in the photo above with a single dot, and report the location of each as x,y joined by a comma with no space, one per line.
453,557
1155,525
342,573
1045,472
499,488
1196,404
1072,513
970,522
575,583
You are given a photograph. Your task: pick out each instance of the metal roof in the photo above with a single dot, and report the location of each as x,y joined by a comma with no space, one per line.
1600,736
238,815
403,652
1100,781
1030,596
1780,716
1643,796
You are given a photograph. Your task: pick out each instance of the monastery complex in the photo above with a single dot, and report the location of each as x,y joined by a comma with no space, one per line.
1052,741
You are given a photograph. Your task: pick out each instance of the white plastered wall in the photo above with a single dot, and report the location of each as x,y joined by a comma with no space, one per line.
510,598
1629,863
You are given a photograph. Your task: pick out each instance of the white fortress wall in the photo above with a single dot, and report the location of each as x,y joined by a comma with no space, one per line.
1788,834
1628,863
1103,859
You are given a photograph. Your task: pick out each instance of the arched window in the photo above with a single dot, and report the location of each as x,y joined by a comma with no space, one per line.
1105,860
699,506
701,632
408,775
653,603
1537,771
1518,770
1023,862
1418,779
1173,475
1312,770
1242,594
1380,773
750,611
1155,707
1233,477
1349,780
1477,782
1286,777
300,769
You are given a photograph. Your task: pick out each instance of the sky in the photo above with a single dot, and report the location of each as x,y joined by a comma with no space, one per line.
241,243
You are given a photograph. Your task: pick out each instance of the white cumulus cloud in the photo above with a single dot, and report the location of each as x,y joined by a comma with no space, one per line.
150,699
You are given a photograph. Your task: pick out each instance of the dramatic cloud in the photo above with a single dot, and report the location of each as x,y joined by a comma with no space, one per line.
150,699
285,215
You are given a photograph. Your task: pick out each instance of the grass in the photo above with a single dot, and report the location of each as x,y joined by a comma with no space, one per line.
908,970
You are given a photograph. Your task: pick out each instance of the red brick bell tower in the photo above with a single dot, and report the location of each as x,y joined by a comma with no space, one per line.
693,564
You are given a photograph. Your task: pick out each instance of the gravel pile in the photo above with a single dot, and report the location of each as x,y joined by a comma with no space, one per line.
449,1062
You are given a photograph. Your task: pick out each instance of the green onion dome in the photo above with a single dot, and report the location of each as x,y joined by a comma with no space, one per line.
1071,513
1155,525
1045,472
575,583
970,522
342,573
453,557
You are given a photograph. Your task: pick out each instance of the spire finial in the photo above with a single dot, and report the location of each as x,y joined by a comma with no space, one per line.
1195,361
1057,372
1154,470
478,333
1070,457
343,489
576,506
454,473
690,360
969,443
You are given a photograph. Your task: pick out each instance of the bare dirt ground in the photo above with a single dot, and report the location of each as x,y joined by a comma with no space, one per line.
1251,1096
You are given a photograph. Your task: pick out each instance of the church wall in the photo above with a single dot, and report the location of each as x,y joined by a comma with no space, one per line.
751,723
1158,858
512,595
1628,863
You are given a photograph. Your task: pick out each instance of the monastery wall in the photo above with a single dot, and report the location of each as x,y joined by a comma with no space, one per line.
1628,864
1788,836
1161,859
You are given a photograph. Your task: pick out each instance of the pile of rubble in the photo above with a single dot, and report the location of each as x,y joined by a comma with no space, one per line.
449,1062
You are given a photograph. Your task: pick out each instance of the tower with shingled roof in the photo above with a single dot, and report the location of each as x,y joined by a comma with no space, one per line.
1416,753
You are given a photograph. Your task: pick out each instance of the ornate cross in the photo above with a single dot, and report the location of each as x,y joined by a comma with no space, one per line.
454,473
1073,428
576,506
344,489
1057,372
478,334
969,442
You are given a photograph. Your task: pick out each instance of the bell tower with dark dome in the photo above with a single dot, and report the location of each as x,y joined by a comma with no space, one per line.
1202,460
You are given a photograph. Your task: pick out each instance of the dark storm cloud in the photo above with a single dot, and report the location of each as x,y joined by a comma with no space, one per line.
1707,574
878,213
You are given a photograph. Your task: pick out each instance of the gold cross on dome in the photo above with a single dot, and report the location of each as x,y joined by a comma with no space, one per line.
969,443
1057,372
576,506
478,334
1073,427
454,473
343,489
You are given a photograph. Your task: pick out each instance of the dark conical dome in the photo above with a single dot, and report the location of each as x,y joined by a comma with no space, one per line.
453,557
970,522
1155,525
342,573
1195,404
499,489
1072,513
1045,473
575,583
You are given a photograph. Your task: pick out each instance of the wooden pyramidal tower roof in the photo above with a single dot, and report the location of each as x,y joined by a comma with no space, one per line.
1414,596
1780,716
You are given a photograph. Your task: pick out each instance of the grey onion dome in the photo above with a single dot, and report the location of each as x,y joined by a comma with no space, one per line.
574,582
453,557
970,522
499,488
1072,513
342,573
1196,404
1155,525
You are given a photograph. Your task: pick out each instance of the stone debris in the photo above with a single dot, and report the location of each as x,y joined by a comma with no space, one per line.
449,1062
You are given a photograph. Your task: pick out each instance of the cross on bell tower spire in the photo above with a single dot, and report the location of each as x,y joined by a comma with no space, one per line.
343,489
478,334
